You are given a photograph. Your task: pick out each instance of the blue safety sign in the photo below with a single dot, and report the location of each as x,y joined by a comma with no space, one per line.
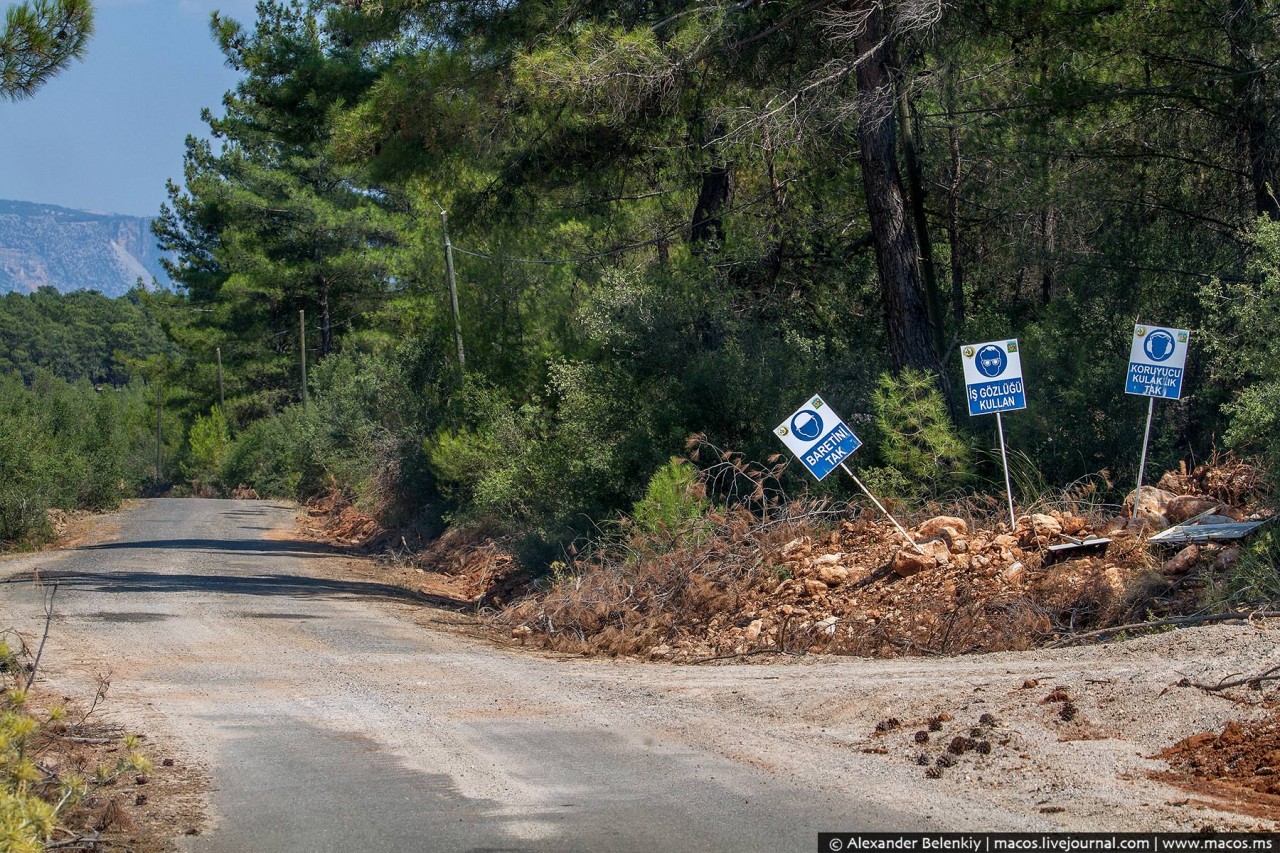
1157,360
993,377
818,437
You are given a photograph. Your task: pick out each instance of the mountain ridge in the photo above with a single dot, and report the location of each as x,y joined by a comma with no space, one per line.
47,245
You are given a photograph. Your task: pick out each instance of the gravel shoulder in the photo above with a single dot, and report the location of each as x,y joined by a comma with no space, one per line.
334,710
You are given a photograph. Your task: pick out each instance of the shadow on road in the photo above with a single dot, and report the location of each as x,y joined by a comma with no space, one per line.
291,586
263,547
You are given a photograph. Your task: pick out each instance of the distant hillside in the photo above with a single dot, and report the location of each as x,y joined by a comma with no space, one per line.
41,244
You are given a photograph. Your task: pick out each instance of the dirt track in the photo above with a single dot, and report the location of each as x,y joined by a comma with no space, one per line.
334,713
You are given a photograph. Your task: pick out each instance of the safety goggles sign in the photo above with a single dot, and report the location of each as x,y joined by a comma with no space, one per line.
993,377
1156,362
818,437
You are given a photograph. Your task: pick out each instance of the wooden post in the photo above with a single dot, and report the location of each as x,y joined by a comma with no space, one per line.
159,435
453,292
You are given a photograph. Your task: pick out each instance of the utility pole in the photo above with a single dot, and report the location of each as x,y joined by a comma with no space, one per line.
159,435
302,335
222,397
453,292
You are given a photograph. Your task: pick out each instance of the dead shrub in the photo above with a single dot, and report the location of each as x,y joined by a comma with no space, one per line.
1225,477
1098,591
626,598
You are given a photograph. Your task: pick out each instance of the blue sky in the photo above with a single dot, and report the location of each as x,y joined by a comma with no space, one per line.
106,133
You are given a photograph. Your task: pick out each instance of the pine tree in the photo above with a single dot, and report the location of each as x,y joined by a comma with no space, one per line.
266,225
40,38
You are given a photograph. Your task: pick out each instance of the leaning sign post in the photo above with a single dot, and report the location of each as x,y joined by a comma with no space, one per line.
822,442
993,384
1157,361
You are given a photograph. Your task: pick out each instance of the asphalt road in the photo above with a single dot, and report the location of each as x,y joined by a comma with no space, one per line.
333,717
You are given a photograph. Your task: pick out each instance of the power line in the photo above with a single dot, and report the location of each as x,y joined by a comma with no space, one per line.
626,247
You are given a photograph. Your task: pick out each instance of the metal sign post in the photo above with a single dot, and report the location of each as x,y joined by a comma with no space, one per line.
1004,459
993,384
1157,361
1142,466
880,506
822,442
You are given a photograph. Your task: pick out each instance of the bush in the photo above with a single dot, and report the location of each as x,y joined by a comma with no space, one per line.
26,820
674,504
361,435
65,446
271,457
478,464
916,436
1255,577
209,439
547,468
357,424
28,473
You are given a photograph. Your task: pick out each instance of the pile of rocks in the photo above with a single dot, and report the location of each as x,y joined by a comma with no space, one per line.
859,591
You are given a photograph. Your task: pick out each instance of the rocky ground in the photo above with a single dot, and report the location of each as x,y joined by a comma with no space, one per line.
130,809
1149,733
810,583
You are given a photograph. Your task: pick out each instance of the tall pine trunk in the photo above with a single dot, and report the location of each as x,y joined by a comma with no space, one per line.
1259,118
897,249
326,323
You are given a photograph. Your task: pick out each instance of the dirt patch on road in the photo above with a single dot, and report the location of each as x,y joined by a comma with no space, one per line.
71,530
1238,767
465,567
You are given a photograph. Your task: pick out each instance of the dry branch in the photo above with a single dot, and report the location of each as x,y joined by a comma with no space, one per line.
1267,675
1169,622
751,653
48,617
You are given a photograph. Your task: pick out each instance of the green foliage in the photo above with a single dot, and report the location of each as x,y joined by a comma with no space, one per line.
274,242
464,462
78,335
674,502
491,465
29,807
916,435
658,230
209,440
39,39
66,446
889,483
26,820
270,457
359,435
360,426
1254,580
546,468
1246,352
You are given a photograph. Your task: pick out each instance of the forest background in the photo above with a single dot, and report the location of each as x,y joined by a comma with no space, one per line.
673,219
